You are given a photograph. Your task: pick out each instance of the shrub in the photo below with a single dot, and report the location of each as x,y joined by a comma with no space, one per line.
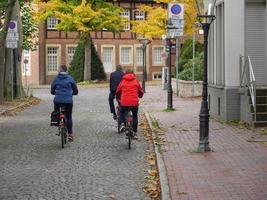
187,74
77,64
187,53
76,69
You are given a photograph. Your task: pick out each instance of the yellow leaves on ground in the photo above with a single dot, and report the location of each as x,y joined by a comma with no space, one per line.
19,105
152,184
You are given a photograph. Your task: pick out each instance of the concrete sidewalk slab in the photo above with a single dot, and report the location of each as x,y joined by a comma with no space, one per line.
236,169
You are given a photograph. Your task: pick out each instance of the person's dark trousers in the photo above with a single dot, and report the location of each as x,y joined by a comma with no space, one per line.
134,110
68,107
111,102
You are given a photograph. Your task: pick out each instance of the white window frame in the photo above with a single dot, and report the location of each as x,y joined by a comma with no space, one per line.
126,14
156,73
139,15
130,55
28,65
58,58
153,55
113,56
51,23
136,56
68,61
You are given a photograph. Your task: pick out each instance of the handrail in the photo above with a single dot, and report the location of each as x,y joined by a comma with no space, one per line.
248,80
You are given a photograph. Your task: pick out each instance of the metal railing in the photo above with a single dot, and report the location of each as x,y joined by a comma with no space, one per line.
248,80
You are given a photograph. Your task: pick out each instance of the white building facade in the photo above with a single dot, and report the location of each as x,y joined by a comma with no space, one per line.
239,31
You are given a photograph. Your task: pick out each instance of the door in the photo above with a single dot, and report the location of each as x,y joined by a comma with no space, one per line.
255,39
108,58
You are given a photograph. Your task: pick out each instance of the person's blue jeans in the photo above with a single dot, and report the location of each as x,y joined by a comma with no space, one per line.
68,107
123,112
111,102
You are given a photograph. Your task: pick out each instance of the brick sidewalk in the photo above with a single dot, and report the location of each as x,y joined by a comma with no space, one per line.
236,170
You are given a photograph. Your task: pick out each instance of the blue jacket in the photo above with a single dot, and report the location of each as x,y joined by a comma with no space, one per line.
63,87
115,79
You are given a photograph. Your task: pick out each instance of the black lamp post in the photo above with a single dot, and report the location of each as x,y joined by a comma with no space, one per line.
205,21
144,41
170,40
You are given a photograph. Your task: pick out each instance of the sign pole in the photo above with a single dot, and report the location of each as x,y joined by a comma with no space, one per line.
177,66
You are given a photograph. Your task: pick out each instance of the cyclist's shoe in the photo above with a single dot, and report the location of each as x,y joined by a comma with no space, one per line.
115,117
122,128
135,136
70,138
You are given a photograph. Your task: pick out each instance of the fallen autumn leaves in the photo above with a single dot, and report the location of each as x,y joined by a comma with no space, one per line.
152,185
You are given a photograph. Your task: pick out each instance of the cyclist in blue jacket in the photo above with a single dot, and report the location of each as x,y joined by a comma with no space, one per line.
63,87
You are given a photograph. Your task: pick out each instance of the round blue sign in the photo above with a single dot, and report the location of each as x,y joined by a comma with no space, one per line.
176,9
12,25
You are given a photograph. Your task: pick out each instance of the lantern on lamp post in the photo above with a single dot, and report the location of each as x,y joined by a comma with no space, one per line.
205,18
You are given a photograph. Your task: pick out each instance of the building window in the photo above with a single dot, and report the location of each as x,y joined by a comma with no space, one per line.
71,52
220,44
51,23
157,59
157,76
52,59
139,56
126,55
126,14
108,57
139,15
26,62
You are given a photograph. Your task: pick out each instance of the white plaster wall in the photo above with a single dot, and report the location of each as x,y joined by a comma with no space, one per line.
234,40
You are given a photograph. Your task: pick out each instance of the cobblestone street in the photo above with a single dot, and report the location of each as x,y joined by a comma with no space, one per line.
97,165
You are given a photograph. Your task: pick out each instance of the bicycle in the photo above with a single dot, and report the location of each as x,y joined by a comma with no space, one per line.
128,124
129,128
62,127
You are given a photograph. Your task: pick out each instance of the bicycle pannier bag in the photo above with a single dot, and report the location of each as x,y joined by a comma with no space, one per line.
55,118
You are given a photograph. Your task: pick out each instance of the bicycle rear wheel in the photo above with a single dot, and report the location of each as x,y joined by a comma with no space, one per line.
129,139
62,134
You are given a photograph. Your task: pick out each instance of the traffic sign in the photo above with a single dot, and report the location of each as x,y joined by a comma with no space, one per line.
176,15
12,26
12,36
11,44
164,56
25,61
176,32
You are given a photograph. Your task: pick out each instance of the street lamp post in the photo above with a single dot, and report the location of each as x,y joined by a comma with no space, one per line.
169,40
144,41
204,110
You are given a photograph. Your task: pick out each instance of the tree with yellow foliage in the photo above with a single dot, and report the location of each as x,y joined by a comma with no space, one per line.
82,16
156,20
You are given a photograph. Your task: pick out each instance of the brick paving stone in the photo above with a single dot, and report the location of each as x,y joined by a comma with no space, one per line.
97,165
237,169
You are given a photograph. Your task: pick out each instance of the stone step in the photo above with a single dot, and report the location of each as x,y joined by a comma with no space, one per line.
259,108
261,92
260,100
260,116
260,124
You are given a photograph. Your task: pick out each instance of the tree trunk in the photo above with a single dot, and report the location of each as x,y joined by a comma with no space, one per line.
12,80
87,58
19,91
8,13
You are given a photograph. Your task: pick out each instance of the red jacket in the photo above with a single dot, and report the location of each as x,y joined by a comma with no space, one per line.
129,90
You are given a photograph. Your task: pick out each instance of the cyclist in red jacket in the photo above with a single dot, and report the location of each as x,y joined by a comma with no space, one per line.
129,91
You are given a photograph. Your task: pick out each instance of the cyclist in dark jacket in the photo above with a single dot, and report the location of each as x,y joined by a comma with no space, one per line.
115,79
63,87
